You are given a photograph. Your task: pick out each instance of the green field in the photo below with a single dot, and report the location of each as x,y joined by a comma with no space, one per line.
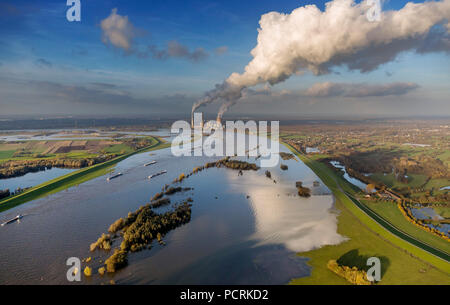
442,211
72,179
398,266
390,181
34,150
437,184
390,212
445,157
6,154
369,238
118,149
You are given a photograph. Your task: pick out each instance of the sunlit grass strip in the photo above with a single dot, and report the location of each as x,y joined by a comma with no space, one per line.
330,179
390,211
75,178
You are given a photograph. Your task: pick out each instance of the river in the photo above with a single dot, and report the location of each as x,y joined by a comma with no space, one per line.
244,229
354,181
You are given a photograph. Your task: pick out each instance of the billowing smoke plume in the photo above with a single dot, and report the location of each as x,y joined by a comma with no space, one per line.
342,35
224,108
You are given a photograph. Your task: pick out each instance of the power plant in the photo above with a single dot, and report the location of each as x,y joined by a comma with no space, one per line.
198,121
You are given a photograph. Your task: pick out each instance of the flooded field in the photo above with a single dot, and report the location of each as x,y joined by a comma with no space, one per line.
425,213
33,179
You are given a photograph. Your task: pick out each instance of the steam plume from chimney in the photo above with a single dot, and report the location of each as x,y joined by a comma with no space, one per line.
308,39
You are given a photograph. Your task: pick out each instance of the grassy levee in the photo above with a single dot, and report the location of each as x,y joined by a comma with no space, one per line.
369,237
442,253
390,212
75,178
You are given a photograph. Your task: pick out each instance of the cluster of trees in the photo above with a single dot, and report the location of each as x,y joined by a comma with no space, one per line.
383,161
160,202
138,143
103,242
228,163
138,230
423,164
235,164
286,156
169,191
4,193
353,275
148,224
121,223
429,198
284,167
420,223
180,178
302,191
141,227
115,262
18,168
298,146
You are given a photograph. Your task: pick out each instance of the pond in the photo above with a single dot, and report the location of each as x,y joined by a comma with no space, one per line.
354,181
429,213
33,179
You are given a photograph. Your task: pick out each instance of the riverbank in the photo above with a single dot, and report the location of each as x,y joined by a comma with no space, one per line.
13,169
74,178
400,263
391,212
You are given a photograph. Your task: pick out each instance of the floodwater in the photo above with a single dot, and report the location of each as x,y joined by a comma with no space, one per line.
33,179
244,229
354,181
430,213
72,135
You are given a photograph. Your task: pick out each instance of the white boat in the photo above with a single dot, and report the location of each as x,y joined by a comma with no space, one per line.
18,217
114,176
157,174
151,163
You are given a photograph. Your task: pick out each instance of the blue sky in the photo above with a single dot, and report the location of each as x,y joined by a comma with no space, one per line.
43,57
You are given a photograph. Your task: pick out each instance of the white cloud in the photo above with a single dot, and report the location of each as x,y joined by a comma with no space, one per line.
315,40
328,89
118,31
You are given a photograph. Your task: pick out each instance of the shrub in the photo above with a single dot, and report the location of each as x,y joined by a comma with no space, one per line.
117,225
88,271
157,196
286,156
103,242
353,275
116,261
304,192
160,202
101,270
